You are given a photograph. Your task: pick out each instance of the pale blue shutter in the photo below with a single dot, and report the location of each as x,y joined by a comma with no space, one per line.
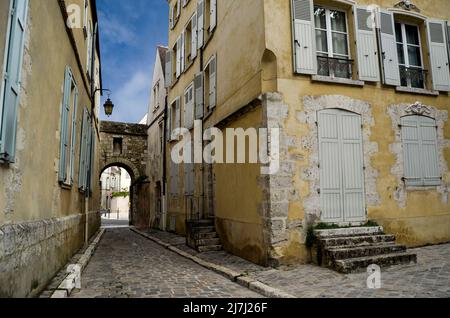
304,40
213,15
73,135
64,135
366,45
91,149
212,83
194,37
168,68
201,22
83,151
12,80
420,151
391,70
439,56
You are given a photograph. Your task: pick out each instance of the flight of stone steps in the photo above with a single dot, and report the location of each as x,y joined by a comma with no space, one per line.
350,250
203,236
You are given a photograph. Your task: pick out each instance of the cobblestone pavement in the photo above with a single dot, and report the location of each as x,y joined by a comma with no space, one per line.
129,265
429,278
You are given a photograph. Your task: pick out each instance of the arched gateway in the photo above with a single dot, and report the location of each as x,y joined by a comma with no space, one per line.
125,145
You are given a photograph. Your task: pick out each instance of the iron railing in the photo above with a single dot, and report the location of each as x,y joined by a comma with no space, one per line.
335,67
413,77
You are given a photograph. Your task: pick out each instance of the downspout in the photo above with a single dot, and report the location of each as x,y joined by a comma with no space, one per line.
164,176
89,175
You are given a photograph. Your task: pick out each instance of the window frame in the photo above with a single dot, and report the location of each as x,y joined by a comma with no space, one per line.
405,45
329,31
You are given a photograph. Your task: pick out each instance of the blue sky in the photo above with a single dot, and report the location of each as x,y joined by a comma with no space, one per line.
130,30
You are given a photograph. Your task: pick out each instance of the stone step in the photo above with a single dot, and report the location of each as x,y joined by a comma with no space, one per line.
351,231
208,242
209,248
345,252
360,264
356,240
204,229
207,235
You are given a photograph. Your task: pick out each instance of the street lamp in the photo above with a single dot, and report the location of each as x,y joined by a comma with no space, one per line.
108,106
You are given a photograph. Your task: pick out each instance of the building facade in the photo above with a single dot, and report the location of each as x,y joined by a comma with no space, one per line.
49,192
358,91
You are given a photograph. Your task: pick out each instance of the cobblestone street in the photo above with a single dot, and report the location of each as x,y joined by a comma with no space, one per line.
128,265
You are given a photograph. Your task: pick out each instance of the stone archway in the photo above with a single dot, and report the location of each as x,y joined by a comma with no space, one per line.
125,145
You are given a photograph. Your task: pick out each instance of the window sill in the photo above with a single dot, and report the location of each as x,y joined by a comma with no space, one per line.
421,188
336,80
419,91
65,186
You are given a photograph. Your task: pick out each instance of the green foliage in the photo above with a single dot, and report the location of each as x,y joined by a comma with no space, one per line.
123,194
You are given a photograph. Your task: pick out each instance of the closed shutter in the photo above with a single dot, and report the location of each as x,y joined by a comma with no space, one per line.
183,50
178,57
173,178
201,22
305,61
168,69
198,87
12,80
194,37
169,124
74,136
438,56
213,15
212,83
178,8
189,108
391,70
420,151
448,40
83,151
366,45
171,17
64,136
189,179
177,114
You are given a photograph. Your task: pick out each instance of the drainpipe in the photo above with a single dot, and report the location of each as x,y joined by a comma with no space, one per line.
164,177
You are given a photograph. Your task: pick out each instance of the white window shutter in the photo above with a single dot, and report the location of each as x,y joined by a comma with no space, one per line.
411,150
429,151
366,45
177,114
198,87
389,55
448,40
178,8
438,55
183,50
201,22
304,39
169,124
168,69
171,17
12,81
178,57
194,37
189,108
213,15
212,83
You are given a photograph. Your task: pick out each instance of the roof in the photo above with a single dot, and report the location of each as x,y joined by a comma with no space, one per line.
162,50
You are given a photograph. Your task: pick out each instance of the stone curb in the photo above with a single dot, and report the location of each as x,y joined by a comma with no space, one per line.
66,287
239,278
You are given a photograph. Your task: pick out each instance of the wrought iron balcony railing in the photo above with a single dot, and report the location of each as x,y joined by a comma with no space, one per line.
335,67
413,77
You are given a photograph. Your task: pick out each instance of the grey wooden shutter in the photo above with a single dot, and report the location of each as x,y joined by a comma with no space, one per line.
304,39
83,150
174,172
12,80
168,69
177,114
212,83
448,40
419,138
439,56
171,17
183,50
366,45
391,70
169,124
74,136
198,87
64,135
201,22
213,15
194,37
189,108
178,57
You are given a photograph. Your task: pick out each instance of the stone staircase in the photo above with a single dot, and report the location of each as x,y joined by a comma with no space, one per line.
202,236
350,250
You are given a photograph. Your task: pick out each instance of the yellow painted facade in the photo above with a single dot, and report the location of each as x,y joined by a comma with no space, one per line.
253,46
31,198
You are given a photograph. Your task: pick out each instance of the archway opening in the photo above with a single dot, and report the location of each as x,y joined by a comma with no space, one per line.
116,183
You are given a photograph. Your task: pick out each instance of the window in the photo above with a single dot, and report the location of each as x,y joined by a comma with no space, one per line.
68,129
178,62
11,80
174,120
175,11
409,50
332,42
156,96
419,137
117,146
190,40
210,85
189,107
